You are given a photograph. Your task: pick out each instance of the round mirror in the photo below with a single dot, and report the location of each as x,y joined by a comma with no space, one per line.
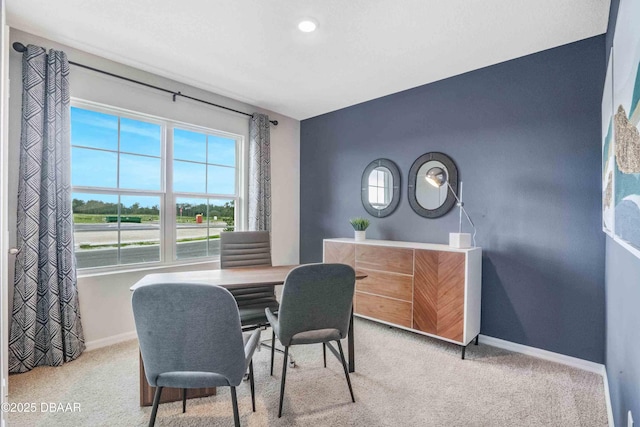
433,178
381,187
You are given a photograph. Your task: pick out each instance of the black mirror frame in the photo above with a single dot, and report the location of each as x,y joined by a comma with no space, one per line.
452,176
395,196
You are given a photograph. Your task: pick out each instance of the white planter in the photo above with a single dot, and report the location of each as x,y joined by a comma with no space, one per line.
360,235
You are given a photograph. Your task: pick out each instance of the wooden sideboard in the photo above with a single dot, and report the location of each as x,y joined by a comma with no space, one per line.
426,288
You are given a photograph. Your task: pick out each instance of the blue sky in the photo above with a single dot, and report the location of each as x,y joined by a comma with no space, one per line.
195,156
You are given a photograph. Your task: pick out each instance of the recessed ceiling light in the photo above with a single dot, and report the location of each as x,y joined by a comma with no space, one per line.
307,26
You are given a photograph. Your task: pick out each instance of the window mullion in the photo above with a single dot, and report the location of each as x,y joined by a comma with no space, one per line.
169,231
242,181
119,259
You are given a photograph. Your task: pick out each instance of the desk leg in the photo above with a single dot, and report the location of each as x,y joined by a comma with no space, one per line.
352,358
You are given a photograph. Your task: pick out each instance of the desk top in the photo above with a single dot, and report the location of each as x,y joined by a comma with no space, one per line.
229,278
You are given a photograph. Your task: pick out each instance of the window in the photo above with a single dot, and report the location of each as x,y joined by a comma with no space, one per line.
379,189
147,190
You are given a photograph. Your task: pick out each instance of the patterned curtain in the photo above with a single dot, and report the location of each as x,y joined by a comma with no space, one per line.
259,173
46,327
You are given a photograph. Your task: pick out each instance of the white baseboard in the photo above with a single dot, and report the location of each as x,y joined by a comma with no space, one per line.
104,342
585,365
607,396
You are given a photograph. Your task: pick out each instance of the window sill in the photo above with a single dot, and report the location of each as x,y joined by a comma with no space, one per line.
134,268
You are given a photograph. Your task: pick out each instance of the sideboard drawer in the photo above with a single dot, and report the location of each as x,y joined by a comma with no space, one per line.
393,260
399,286
387,309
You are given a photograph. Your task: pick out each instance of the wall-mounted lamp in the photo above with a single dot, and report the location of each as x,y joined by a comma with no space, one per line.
438,177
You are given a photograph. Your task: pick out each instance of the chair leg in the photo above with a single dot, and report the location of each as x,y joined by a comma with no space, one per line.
324,353
277,350
253,390
154,410
346,371
234,400
273,349
184,400
284,376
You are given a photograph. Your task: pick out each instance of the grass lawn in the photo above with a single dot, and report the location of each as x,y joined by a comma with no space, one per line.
100,218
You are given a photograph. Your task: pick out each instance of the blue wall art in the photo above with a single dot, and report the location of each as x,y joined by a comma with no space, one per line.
626,100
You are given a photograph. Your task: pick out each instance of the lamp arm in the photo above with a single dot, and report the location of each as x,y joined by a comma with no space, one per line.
462,209
453,192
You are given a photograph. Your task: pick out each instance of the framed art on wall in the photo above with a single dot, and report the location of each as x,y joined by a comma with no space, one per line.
626,101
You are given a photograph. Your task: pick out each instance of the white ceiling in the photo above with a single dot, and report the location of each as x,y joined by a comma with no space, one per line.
251,50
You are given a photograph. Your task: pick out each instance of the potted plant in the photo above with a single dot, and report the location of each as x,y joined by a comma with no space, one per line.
359,225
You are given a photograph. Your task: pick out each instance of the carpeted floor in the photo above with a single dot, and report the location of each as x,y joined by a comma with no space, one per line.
402,379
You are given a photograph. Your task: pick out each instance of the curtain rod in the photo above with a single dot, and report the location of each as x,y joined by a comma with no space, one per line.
19,47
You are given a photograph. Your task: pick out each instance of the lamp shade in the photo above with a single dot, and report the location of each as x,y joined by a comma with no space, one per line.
436,177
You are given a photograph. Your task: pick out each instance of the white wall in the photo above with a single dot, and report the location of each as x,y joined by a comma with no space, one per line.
105,299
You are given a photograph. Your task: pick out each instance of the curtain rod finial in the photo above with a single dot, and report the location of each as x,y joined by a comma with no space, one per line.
19,47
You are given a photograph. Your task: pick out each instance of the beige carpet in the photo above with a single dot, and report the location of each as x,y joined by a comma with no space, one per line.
402,379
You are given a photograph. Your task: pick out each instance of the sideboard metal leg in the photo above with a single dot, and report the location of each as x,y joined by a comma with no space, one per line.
464,349
477,336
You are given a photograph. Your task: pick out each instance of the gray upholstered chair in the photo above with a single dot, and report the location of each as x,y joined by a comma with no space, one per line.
190,337
315,307
249,249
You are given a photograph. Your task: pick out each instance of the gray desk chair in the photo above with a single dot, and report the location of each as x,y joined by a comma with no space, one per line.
315,308
250,249
190,337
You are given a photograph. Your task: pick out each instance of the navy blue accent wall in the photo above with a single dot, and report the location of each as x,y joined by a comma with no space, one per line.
525,135
622,287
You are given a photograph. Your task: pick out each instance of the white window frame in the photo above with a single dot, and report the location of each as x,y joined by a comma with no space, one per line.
168,232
